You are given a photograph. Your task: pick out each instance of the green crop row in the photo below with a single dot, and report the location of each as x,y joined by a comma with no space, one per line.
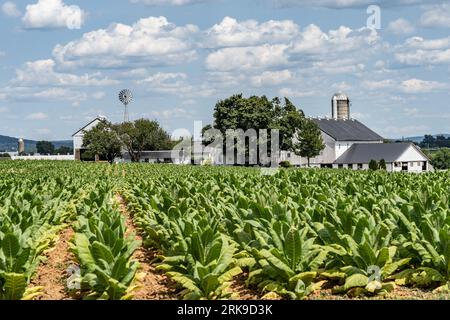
288,235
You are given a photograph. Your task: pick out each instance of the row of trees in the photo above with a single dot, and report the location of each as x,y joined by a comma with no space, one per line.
297,133
430,142
46,147
107,140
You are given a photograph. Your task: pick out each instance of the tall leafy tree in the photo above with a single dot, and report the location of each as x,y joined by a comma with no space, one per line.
237,112
441,159
309,142
103,141
45,147
142,135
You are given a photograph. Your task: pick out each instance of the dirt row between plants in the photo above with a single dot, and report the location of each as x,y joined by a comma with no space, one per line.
52,274
154,285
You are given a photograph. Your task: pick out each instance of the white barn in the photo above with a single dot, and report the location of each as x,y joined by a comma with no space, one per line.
78,137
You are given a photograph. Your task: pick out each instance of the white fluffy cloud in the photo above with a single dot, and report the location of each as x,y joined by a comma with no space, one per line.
231,33
42,73
310,47
400,27
10,9
272,78
53,14
247,58
436,17
410,86
150,41
417,51
422,86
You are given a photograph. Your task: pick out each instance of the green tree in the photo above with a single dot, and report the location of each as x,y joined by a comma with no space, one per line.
103,141
309,142
64,150
142,135
383,164
45,147
258,113
441,159
373,165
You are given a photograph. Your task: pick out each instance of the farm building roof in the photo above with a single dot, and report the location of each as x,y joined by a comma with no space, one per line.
364,152
347,130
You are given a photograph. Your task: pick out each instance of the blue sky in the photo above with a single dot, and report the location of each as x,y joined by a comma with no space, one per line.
63,62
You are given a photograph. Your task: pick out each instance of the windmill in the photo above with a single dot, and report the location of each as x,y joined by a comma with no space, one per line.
126,97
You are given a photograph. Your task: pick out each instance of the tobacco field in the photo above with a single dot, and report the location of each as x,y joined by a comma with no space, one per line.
282,236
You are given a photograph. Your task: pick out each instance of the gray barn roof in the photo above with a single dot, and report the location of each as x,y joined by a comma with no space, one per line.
364,152
347,130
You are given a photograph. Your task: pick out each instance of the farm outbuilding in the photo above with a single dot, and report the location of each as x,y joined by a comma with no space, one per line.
78,137
399,157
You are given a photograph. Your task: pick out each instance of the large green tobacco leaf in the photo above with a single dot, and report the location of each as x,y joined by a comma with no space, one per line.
14,286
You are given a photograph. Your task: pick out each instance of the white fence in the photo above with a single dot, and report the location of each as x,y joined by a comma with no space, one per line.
69,157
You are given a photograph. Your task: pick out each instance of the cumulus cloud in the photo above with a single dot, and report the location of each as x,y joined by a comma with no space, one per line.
436,17
411,86
53,14
151,41
42,73
401,27
174,83
272,78
422,86
10,9
231,33
311,47
417,51
247,58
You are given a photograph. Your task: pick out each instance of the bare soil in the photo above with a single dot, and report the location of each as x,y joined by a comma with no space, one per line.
154,285
400,293
241,291
52,273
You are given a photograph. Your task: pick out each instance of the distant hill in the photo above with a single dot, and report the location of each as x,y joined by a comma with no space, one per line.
419,139
9,144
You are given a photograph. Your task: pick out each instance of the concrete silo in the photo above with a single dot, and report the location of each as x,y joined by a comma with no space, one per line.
340,106
21,146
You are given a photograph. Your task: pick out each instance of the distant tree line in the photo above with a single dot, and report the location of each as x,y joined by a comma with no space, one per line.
431,142
46,147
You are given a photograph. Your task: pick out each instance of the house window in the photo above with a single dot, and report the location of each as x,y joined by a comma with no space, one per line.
289,155
411,164
360,166
341,166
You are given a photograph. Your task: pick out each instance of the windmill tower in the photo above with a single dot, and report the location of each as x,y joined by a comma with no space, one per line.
126,97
